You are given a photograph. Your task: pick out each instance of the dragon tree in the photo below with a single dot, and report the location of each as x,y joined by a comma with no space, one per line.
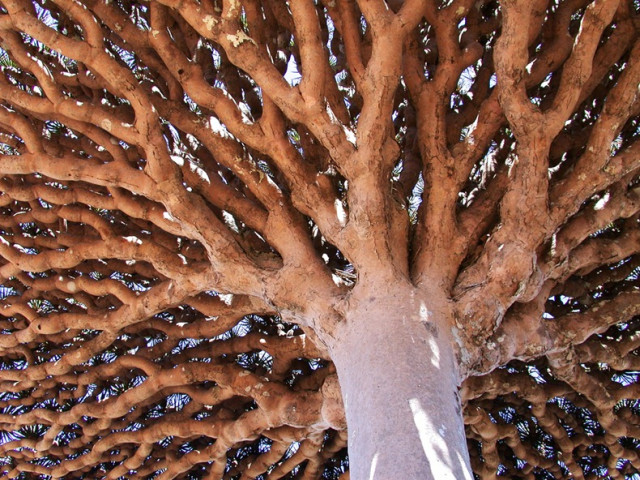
319,239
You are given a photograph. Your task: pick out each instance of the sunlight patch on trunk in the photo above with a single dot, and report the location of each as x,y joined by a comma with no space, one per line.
374,463
431,337
433,443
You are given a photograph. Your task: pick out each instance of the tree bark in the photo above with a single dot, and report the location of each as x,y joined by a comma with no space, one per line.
399,382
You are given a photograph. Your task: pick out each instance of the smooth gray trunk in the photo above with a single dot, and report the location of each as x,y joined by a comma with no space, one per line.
399,385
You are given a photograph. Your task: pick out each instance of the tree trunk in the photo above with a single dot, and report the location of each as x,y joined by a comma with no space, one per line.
399,384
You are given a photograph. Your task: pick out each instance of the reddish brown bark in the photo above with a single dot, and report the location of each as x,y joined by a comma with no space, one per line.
205,204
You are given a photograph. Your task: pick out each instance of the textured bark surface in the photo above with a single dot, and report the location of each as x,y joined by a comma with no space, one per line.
205,204
399,380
